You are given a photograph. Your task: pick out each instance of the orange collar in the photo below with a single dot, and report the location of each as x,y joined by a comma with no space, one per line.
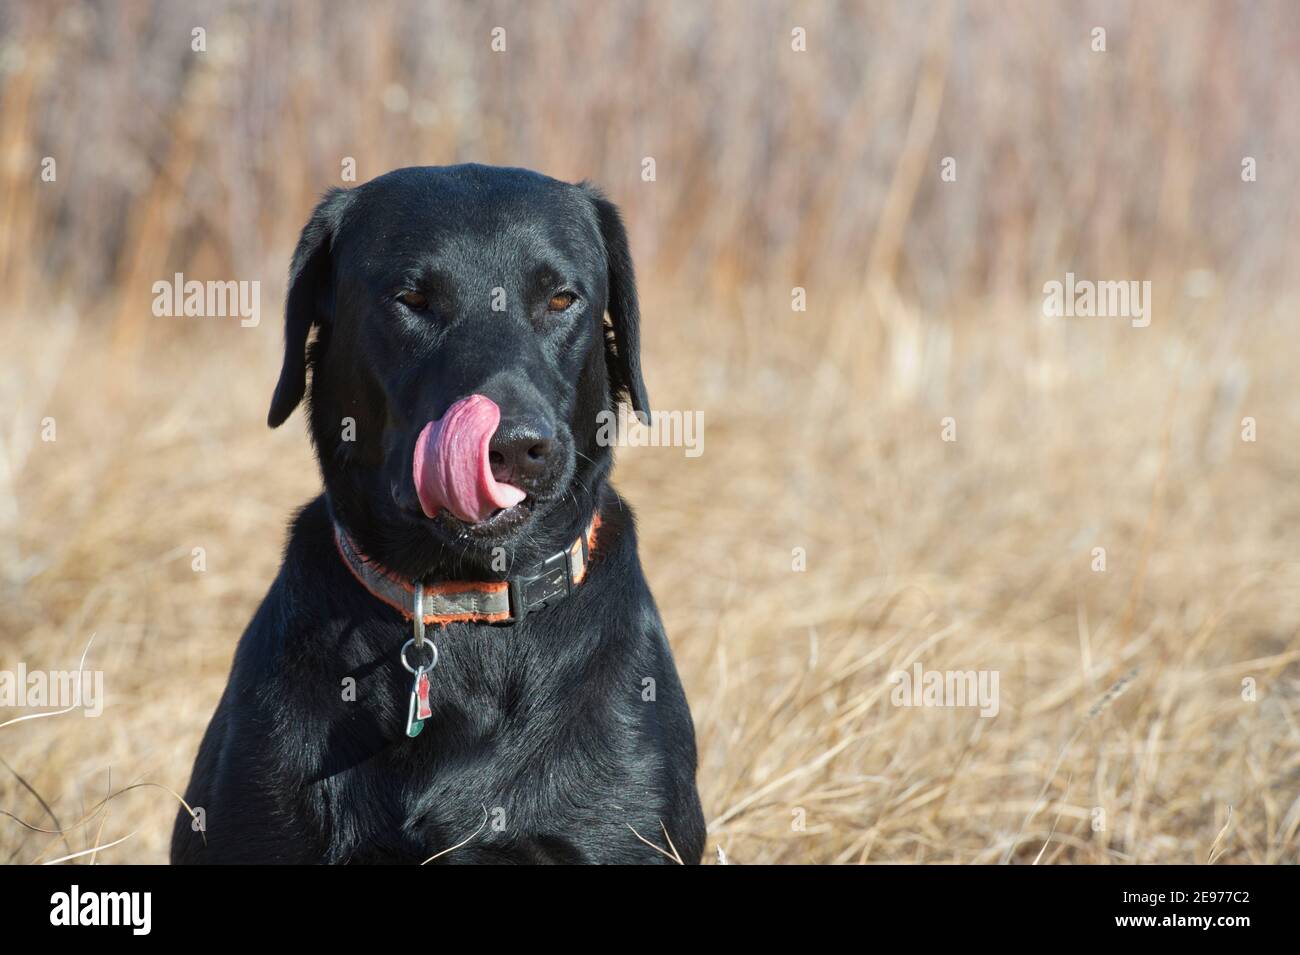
491,601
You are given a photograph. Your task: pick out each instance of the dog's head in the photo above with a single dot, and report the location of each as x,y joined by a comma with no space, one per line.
462,354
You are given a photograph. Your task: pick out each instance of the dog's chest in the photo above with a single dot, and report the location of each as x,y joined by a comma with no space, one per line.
518,753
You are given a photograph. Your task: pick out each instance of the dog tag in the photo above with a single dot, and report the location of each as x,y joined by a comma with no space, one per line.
419,710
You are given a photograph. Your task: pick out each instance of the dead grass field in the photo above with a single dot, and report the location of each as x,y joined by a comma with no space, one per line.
822,428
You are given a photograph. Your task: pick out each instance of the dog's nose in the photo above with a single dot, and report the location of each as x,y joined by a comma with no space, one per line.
520,451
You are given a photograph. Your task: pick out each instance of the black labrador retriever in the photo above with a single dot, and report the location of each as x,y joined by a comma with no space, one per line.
460,658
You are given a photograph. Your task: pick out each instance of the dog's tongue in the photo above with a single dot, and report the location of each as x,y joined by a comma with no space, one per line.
451,463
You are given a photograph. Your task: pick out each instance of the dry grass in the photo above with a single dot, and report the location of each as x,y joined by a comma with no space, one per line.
822,428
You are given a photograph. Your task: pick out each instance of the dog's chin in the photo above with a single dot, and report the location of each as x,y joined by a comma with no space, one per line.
499,528
496,528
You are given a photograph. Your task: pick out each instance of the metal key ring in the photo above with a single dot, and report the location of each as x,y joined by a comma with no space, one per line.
417,613
430,665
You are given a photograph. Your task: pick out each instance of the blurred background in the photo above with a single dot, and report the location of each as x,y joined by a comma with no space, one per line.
828,535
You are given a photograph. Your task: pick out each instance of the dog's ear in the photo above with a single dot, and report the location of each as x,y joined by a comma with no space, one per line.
623,341
309,301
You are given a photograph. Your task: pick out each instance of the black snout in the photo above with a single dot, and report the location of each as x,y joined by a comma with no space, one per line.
520,452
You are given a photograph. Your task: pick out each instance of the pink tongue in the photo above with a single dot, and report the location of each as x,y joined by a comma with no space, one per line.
451,463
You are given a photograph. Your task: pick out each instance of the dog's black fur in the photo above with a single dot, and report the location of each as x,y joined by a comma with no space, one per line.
544,727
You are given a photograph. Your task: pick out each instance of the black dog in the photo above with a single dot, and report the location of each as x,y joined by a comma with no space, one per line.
461,364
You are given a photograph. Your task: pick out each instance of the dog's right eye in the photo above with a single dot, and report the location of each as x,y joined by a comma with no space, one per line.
414,300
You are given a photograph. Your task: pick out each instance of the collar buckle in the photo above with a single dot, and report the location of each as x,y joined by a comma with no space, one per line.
553,581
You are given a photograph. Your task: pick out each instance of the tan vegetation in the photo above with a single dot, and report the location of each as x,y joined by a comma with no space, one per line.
1125,731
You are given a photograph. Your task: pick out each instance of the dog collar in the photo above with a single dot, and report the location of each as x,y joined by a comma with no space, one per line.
492,601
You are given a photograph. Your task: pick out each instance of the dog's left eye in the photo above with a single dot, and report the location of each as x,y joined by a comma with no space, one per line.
415,300
561,301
